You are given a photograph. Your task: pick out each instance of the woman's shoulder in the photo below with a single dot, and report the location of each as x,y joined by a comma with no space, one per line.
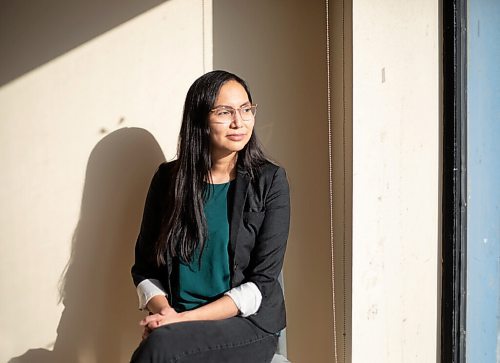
272,166
164,173
271,169
166,167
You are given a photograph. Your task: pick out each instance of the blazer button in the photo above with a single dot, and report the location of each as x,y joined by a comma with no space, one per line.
235,267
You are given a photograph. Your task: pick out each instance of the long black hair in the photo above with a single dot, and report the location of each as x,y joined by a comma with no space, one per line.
184,226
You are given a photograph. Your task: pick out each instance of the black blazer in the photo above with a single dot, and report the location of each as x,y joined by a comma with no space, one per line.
258,232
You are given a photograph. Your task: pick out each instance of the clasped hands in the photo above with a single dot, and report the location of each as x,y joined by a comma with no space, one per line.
167,315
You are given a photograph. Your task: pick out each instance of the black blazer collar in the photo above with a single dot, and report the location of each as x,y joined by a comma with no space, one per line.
240,195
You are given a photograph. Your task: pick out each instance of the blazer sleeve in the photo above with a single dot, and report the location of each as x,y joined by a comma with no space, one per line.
145,266
268,253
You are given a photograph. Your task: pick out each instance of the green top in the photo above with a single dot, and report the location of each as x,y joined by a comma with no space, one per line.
196,284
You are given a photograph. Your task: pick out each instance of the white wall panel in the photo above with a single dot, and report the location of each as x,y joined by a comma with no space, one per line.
396,118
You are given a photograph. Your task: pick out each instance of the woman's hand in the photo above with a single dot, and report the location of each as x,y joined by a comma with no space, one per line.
167,315
222,308
159,308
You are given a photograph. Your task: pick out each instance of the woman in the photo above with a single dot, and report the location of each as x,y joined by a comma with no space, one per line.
213,237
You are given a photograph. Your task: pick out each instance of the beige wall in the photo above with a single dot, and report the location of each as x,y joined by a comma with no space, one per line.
82,129
396,123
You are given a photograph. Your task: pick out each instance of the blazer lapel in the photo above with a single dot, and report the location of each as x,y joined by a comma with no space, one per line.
239,197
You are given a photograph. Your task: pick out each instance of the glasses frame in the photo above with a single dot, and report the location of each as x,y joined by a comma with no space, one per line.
233,113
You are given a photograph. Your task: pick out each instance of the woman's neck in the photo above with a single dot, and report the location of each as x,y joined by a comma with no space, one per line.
223,168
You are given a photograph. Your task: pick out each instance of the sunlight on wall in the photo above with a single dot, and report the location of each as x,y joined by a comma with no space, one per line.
396,123
80,138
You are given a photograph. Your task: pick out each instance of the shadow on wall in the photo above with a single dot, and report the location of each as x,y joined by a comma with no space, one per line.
34,32
100,318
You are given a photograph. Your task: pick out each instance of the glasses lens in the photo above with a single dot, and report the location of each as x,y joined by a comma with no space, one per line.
248,112
224,114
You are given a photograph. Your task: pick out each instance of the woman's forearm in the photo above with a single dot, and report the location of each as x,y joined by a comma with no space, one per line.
157,303
219,309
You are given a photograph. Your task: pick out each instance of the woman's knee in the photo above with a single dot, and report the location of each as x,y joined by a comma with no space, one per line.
157,347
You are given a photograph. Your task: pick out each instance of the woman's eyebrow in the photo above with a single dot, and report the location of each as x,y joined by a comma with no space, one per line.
243,104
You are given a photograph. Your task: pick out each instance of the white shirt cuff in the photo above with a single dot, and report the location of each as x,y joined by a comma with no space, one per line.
246,297
147,289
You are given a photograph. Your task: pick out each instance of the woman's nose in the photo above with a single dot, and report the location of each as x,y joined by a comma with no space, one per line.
237,120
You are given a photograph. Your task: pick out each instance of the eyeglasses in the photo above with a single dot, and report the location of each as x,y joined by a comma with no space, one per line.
226,114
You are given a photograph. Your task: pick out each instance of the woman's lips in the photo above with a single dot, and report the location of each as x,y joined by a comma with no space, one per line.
236,137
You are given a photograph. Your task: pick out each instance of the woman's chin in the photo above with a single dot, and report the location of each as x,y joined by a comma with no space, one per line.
233,147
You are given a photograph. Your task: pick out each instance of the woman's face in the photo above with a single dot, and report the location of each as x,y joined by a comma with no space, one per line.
230,133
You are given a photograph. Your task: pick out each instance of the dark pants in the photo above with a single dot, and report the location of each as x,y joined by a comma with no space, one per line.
230,340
